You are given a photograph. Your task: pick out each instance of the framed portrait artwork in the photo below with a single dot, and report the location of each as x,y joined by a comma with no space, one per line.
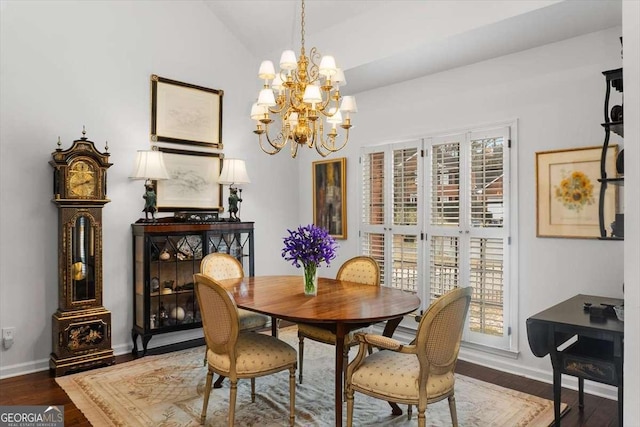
330,196
185,114
193,185
568,192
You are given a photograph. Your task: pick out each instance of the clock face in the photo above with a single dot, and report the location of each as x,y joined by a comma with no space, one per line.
82,179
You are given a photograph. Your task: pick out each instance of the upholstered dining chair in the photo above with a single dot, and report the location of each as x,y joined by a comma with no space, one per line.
220,266
235,354
360,269
418,373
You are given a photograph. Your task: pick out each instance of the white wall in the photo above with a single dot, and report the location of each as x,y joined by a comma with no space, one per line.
69,64
556,92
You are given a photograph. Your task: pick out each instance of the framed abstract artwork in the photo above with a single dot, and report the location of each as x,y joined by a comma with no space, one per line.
183,113
567,192
330,196
193,183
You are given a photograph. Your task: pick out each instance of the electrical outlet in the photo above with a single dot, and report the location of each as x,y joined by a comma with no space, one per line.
8,335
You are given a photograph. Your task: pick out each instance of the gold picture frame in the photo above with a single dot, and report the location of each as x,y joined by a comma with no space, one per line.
568,192
194,182
330,196
183,113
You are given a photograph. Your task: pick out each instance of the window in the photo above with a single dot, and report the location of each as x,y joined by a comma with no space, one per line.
436,214
390,223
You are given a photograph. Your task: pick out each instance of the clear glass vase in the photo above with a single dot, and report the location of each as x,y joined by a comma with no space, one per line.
311,280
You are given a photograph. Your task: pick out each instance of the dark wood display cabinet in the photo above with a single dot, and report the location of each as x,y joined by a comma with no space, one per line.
166,254
612,178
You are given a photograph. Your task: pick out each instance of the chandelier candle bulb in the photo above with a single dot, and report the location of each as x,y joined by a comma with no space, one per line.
304,89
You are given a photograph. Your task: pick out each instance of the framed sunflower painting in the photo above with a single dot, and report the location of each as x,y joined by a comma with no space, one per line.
568,192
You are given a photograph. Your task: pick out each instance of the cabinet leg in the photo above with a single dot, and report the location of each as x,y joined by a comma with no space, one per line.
134,337
581,394
557,389
145,341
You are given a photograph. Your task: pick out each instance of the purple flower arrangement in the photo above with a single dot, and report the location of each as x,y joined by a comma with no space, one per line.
307,247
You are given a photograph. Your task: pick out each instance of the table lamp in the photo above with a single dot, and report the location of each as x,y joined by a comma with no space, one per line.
149,166
234,172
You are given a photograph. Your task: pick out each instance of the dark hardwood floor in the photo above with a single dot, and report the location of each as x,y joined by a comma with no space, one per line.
41,389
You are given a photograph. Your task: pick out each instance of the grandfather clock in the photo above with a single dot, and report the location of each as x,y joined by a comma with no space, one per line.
81,325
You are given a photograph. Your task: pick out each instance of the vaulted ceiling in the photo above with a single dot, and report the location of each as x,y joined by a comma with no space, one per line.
381,42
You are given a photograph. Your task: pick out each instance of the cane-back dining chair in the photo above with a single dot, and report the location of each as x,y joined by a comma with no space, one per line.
418,373
360,269
235,354
220,266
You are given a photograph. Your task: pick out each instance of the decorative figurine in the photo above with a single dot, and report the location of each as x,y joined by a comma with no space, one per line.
234,199
150,200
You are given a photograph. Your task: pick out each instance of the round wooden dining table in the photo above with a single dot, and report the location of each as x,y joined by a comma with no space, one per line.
343,305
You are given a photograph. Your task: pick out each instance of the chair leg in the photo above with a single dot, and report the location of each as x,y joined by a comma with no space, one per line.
233,391
422,418
409,412
207,392
300,356
292,395
452,409
345,364
349,407
253,390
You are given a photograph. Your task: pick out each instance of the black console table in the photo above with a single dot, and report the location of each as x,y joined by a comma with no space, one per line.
598,353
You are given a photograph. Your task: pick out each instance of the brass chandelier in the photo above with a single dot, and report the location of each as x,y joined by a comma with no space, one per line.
306,93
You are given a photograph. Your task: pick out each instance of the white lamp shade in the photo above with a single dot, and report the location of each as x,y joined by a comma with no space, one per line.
266,98
339,79
288,60
312,94
335,117
327,66
348,104
276,84
149,165
234,171
266,70
258,112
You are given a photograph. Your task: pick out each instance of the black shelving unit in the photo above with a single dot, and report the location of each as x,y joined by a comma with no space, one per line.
616,182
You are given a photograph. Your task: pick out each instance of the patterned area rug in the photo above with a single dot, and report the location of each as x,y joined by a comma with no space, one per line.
167,390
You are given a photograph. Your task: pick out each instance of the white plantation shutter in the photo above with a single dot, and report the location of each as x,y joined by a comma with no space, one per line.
445,183
405,186
373,194
444,265
487,175
468,227
437,215
404,251
372,244
487,280
393,173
